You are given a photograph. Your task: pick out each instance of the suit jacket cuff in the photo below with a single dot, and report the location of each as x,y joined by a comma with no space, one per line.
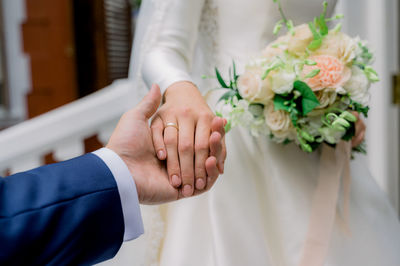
127,192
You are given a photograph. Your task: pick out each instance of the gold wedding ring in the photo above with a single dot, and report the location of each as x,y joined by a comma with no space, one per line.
172,125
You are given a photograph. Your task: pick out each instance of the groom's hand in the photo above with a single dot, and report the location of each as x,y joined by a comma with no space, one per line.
132,141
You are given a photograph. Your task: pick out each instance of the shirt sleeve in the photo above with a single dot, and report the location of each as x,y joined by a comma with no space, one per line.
127,191
169,60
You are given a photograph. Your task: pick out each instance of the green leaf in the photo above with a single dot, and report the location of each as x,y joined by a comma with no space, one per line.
361,148
235,75
308,99
220,79
279,103
228,95
359,108
315,44
286,142
313,73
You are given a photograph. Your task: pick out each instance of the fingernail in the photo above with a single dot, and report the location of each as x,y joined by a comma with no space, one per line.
200,184
187,191
176,181
161,154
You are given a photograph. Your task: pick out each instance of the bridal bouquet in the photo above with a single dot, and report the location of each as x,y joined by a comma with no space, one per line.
304,87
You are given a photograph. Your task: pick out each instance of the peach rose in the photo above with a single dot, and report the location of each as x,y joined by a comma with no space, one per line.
333,73
339,45
253,88
300,40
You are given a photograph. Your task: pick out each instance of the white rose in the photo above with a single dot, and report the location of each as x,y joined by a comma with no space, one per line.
358,86
325,97
281,81
300,40
253,88
279,123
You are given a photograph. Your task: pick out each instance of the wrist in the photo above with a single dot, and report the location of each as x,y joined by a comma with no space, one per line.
181,88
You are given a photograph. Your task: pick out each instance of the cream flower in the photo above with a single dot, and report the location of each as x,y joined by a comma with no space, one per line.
279,123
333,73
281,81
253,88
339,45
358,86
277,47
300,40
325,97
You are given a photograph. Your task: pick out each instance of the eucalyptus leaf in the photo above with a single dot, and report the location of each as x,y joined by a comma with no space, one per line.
220,79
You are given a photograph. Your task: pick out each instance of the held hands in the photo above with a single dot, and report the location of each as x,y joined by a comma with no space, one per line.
195,134
132,141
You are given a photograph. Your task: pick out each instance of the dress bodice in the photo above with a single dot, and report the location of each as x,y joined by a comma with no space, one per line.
246,27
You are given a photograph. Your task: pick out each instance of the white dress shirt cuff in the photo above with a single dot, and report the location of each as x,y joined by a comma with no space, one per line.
127,192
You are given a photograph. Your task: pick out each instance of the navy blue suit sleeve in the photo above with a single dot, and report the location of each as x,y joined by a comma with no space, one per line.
67,213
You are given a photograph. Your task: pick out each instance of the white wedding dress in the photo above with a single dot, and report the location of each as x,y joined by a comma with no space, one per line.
258,212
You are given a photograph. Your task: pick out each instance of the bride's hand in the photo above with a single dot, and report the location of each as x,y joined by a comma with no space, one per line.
360,131
187,148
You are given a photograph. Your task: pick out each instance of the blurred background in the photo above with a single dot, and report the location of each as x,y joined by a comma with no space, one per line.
64,67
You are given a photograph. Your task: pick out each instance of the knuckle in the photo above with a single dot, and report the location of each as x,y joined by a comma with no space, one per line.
186,147
206,115
200,172
201,147
187,179
170,140
173,170
156,127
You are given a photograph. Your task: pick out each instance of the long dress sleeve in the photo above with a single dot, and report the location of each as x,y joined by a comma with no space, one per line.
168,61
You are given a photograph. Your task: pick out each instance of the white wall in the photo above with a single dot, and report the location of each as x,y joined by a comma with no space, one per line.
376,21
18,66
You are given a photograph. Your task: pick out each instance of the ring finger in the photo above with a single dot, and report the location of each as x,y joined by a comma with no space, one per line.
171,144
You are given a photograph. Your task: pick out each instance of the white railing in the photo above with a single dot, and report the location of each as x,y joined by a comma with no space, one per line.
63,130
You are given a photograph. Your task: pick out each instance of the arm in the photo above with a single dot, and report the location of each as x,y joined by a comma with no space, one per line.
168,63
54,214
169,60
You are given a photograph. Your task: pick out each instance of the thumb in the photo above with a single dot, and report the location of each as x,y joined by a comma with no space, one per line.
149,104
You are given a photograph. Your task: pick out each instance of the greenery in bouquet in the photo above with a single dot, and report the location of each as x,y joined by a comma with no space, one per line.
304,88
